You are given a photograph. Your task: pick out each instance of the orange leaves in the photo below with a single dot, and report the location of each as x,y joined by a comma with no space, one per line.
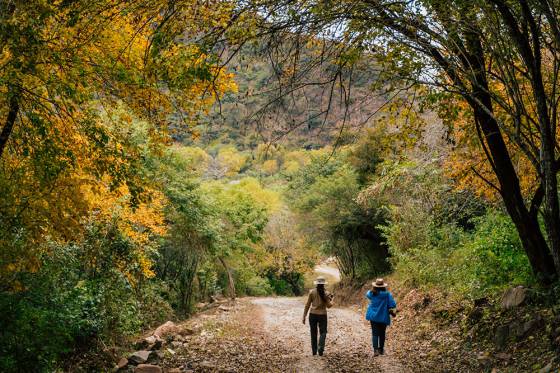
100,84
467,163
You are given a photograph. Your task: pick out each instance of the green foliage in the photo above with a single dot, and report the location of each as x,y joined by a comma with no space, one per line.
441,237
325,193
258,287
286,283
81,294
211,223
280,286
498,254
474,263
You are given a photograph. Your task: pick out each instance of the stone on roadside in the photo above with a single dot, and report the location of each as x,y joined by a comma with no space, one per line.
121,365
514,297
176,344
139,357
147,368
152,342
165,329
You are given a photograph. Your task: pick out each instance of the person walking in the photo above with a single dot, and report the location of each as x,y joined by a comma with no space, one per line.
317,303
381,307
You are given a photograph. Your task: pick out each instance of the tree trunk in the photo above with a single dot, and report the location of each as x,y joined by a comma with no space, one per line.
527,225
473,85
527,41
231,283
10,121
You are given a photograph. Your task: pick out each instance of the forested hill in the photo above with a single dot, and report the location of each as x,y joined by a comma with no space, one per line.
307,115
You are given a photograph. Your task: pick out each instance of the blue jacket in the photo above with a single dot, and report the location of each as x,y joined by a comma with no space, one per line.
379,304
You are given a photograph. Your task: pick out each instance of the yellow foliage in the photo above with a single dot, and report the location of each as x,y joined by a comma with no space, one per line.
196,159
89,70
266,198
140,224
291,166
468,157
270,167
231,159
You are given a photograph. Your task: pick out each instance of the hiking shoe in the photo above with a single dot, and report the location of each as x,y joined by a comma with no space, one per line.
375,352
381,352
320,353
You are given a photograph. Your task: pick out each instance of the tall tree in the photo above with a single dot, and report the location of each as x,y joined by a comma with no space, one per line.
56,56
499,57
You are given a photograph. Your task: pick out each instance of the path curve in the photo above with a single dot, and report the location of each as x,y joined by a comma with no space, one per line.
329,271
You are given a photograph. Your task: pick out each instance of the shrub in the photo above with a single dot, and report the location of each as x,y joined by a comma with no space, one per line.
258,287
280,286
496,254
74,300
477,263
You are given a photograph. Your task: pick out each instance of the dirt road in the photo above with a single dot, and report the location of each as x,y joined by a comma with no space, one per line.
348,347
267,335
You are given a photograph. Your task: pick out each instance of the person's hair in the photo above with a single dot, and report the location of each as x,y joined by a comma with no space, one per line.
377,290
321,291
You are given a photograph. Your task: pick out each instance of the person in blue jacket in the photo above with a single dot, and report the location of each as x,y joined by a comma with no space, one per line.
381,308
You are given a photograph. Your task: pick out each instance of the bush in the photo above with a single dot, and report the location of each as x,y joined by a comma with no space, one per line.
74,300
496,254
280,286
258,287
478,263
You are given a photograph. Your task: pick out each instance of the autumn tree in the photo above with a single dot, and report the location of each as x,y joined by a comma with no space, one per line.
75,76
499,58
58,55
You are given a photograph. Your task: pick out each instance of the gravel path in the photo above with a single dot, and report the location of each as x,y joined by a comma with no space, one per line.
348,347
267,335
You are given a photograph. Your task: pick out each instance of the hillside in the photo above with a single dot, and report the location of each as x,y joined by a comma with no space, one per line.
305,115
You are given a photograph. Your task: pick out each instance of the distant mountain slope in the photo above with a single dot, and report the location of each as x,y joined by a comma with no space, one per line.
309,117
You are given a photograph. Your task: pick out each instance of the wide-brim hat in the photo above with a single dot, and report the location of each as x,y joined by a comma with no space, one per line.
379,283
320,281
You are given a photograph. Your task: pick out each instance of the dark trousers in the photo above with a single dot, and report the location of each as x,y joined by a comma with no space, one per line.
321,322
378,335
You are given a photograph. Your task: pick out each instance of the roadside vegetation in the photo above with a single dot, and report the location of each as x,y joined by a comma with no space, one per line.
156,157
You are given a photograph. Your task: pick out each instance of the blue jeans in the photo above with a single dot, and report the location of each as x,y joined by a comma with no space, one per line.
378,335
321,322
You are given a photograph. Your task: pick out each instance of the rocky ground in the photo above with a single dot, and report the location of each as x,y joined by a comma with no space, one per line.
431,333
436,332
260,335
